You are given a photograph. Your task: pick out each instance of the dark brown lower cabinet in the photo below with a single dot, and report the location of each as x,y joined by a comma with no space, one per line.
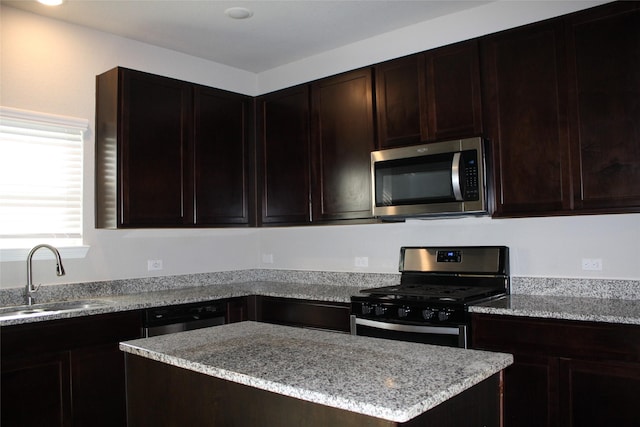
237,310
35,391
163,395
566,373
66,372
333,316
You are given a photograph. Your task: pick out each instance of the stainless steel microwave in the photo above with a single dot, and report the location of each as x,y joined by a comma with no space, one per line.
442,178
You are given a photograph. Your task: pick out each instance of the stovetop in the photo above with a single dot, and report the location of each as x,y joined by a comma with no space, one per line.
432,292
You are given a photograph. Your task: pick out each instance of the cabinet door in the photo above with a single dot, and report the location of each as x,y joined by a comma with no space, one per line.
97,387
35,391
453,91
605,107
237,310
401,101
429,96
222,131
529,390
599,393
525,77
342,138
155,155
284,163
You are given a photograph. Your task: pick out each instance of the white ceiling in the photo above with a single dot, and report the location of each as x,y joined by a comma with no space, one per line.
278,33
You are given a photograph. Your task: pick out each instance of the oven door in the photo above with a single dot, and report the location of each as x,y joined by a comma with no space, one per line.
450,335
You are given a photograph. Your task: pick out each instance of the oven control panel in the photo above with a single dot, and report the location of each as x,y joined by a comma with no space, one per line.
414,313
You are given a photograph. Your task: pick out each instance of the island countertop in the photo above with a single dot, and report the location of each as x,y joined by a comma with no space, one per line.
387,379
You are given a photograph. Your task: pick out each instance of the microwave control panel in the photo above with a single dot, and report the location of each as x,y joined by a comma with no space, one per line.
471,189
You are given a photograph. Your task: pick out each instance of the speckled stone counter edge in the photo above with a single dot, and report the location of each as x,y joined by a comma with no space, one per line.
588,288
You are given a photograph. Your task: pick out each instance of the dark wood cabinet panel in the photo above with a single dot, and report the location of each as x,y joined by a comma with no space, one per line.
283,121
563,113
294,312
599,393
429,96
401,101
237,310
605,106
524,83
66,372
170,153
35,391
342,141
155,116
142,147
453,91
565,373
527,392
97,384
222,131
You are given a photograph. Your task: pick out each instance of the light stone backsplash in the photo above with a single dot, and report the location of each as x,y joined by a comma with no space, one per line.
590,288
73,291
581,288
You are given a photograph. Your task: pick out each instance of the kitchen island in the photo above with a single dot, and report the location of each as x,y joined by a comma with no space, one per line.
252,373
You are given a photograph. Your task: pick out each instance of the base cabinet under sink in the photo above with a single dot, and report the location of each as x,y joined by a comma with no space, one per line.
67,372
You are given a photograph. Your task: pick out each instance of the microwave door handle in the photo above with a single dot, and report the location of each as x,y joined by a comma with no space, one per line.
455,176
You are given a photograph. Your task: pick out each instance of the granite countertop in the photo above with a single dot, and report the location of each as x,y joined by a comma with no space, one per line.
387,379
565,308
142,300
139,294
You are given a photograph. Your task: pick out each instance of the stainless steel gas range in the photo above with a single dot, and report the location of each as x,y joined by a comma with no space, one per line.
437,285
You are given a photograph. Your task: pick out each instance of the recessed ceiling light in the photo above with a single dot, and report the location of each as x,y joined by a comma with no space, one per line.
238,13
51,2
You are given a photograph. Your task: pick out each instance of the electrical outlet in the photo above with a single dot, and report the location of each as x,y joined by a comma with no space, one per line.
361,261
267,258
154,264
592,264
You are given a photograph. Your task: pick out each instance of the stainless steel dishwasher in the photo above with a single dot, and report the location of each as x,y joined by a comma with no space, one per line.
183,317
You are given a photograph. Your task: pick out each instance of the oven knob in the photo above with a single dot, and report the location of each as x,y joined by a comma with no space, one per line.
443,315
366,309
428,314
380,310
403,311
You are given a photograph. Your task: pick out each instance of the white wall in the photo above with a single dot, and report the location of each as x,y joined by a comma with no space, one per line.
484,19
542,247
49,66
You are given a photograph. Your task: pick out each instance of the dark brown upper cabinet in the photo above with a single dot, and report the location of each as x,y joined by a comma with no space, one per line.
525,84
563,113
604,75
314,145
223,128
170,153
429,96
342,138
283,120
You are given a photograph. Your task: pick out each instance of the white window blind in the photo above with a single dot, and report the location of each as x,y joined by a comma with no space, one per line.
40,179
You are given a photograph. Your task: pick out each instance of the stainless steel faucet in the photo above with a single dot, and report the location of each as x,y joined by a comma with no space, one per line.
59,270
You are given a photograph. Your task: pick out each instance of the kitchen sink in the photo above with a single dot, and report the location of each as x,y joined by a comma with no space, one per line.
49,308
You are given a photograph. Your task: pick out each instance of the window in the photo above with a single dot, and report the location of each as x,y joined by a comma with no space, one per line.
40,179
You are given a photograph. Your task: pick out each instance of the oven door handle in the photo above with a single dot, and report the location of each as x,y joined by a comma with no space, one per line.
398,327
